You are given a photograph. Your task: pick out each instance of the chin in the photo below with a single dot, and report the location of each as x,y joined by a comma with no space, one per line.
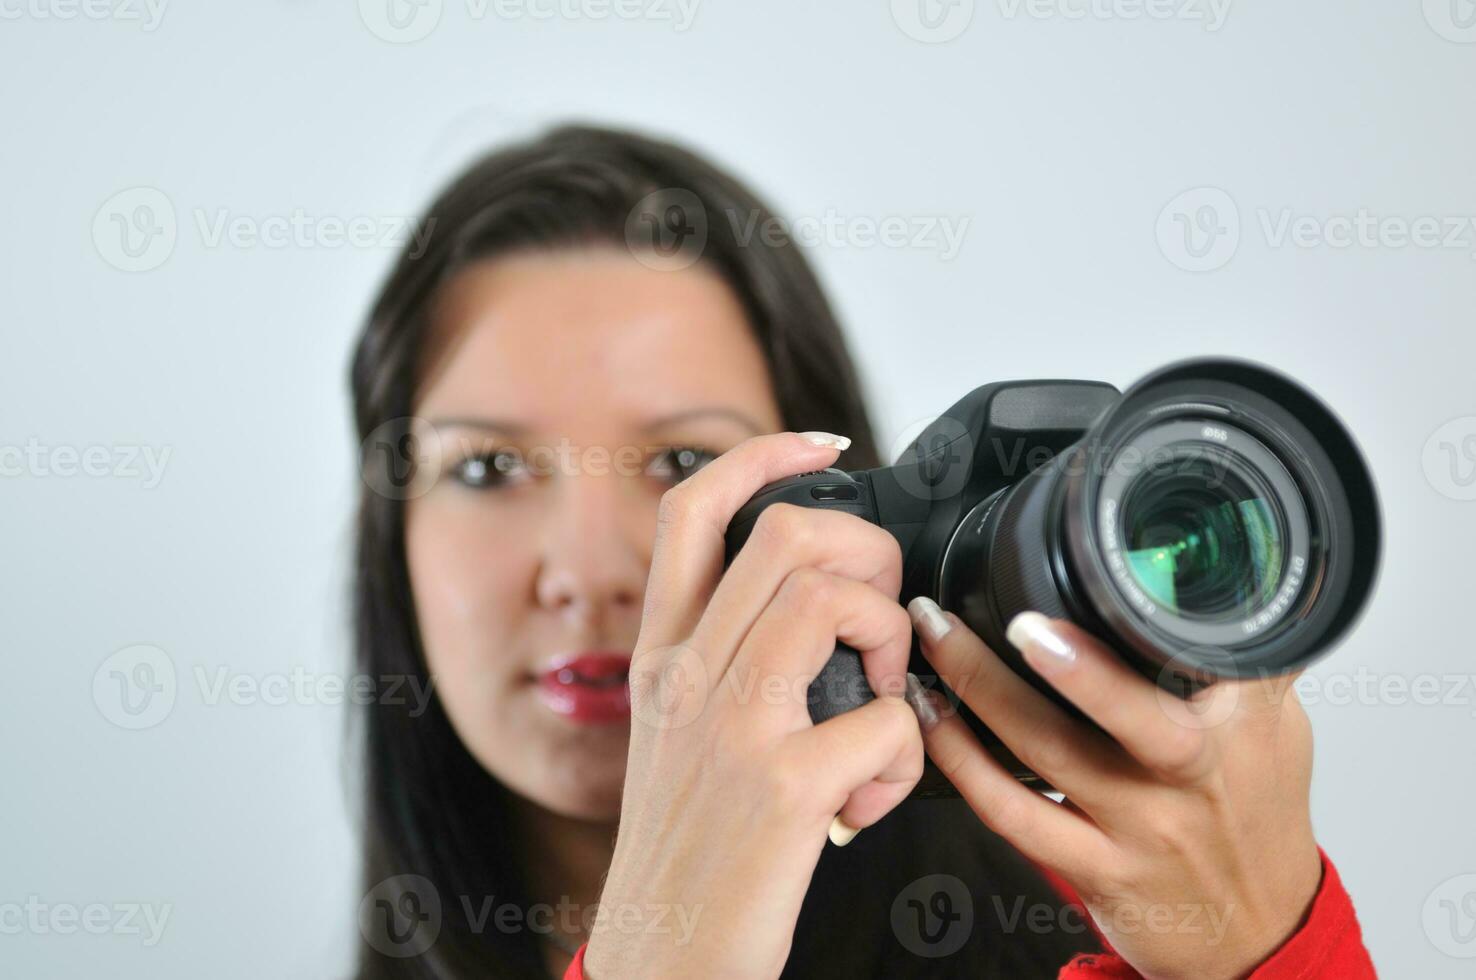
578,778
594,795
594,806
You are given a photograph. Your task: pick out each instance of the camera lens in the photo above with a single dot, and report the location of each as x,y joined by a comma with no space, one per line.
1204,544
1217,520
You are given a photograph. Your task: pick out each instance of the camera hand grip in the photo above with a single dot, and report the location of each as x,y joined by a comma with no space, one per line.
840,686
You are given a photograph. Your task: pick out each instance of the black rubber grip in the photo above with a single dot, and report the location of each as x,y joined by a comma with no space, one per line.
840,686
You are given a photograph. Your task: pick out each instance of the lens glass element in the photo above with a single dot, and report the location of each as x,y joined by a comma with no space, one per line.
1204,538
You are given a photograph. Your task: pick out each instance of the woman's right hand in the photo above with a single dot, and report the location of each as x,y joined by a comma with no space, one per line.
730,789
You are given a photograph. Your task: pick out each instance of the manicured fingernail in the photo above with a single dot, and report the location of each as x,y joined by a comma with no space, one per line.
922,704
1032,630
842,833
928,618
827,439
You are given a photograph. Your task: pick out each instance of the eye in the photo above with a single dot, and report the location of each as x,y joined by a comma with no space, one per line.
679,462
487,470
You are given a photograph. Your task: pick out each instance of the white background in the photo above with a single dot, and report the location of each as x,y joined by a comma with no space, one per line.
1060,139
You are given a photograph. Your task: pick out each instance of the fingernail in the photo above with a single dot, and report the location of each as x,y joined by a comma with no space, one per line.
928,618
922,704
1033,630
827,439
842,833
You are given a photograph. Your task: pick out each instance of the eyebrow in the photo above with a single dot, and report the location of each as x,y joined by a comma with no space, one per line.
515,428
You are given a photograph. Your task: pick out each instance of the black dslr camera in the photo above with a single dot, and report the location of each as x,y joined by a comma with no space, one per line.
1216,520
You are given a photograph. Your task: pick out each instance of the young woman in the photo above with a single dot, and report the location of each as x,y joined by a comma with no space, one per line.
586,371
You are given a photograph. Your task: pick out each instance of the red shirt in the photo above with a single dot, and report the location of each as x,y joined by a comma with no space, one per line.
1329,943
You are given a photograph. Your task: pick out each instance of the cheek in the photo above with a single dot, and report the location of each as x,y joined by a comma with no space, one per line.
468,582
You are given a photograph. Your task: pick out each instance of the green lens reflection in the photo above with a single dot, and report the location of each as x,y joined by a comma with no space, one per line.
1203,542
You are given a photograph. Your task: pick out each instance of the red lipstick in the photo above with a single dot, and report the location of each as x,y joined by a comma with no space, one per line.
589,687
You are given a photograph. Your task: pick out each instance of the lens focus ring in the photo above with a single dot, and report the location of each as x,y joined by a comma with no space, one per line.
1002,540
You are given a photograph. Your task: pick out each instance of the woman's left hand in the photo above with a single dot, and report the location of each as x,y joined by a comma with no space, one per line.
1187,833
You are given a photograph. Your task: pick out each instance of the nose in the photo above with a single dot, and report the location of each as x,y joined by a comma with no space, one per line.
595,554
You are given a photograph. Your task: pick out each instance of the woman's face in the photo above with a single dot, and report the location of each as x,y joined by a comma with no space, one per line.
559,382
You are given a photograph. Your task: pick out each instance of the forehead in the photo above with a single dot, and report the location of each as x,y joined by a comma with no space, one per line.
590,337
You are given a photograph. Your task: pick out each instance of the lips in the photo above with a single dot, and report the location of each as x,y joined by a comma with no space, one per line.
589,687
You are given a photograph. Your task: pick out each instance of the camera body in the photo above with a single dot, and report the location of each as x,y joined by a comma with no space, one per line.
1066,496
